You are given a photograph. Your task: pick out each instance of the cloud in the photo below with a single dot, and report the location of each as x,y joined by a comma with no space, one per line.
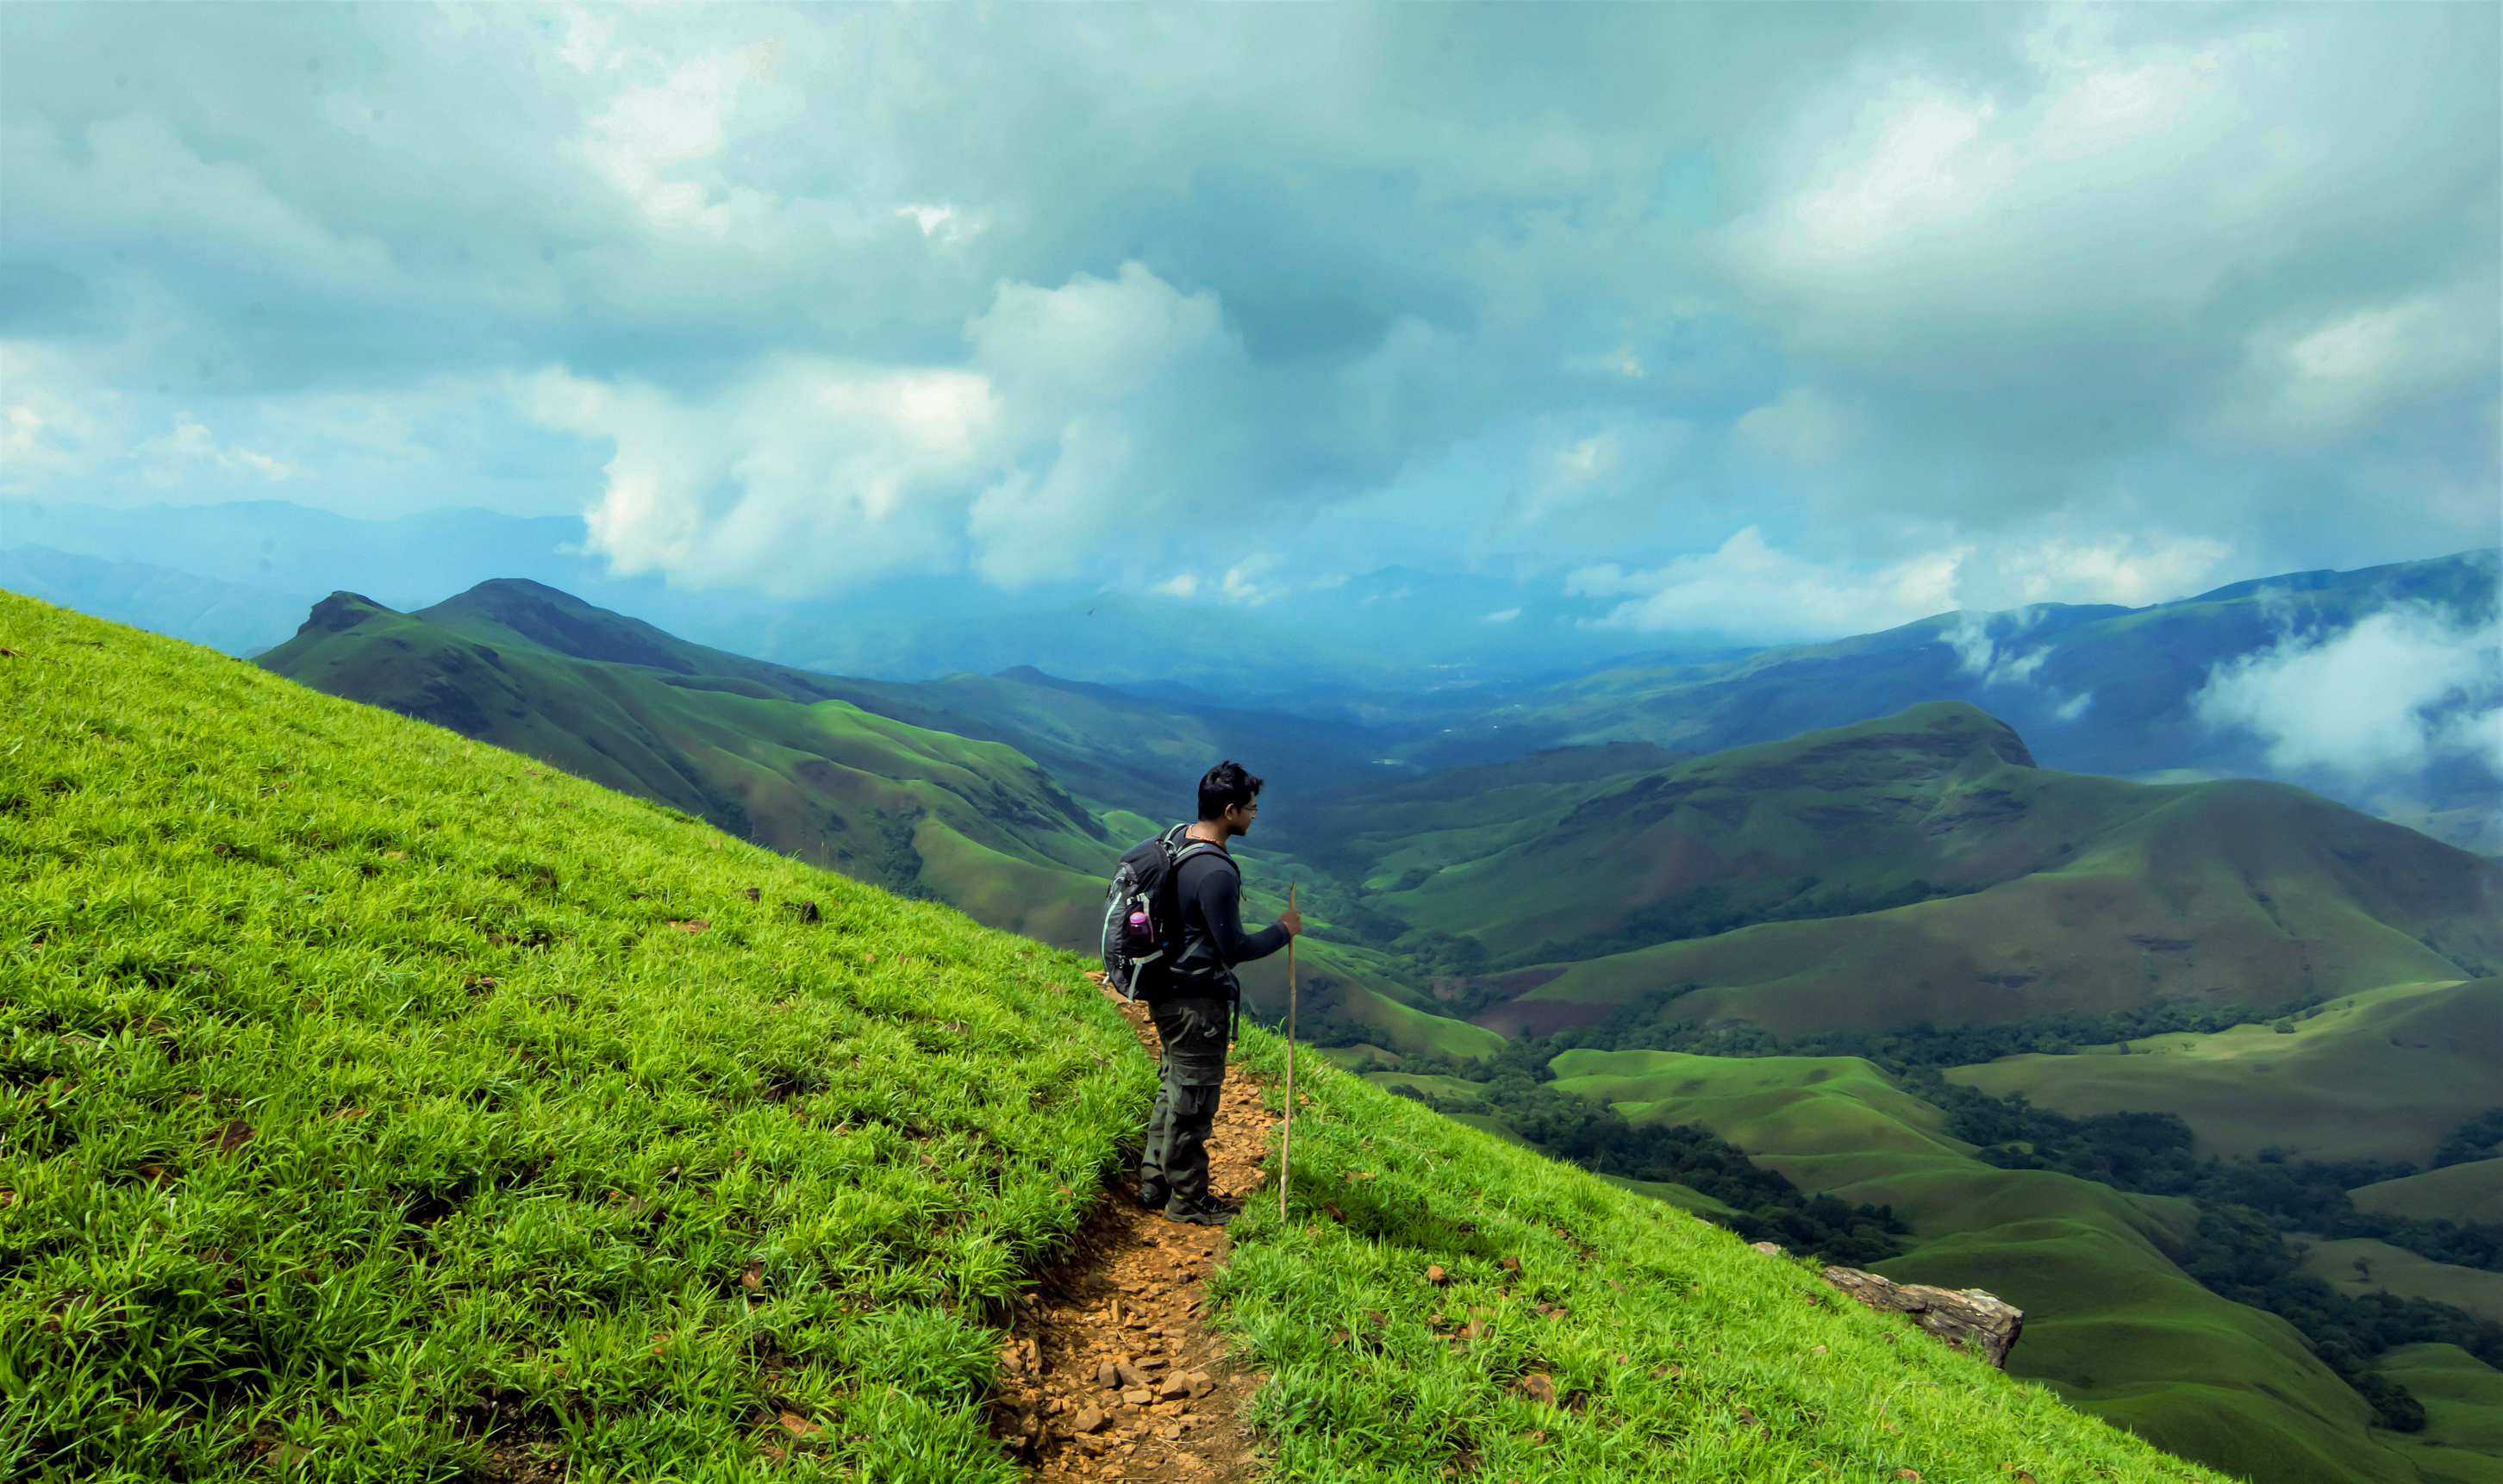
1748,589
2318,380
190,443
1942,279
44,435
1595,480
2132,570
2028,273
1803,426
810,473
1504,616
2387,694
1085,429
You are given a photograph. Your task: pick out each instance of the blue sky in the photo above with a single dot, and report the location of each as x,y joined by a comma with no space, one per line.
1776,321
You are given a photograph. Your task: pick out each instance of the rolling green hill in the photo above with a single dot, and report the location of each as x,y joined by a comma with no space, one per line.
378,1105
2471,1192
2376,1075
1112,749
766,754
1917,869
2123,1328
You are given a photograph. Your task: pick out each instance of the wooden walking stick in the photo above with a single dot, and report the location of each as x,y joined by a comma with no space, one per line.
1287,1142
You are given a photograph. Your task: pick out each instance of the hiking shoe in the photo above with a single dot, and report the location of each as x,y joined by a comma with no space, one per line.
1152,1198
1201,1211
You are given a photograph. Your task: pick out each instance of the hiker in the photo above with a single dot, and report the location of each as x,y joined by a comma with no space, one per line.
1190,999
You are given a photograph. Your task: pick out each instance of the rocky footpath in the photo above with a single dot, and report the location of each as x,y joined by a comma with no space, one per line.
1112,1371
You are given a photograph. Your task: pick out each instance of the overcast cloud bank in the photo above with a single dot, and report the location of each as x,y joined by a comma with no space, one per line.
1760,322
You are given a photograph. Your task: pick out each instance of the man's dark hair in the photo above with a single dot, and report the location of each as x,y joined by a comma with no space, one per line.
1226,785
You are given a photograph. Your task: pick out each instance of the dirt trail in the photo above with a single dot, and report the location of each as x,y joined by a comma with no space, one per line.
1111,1373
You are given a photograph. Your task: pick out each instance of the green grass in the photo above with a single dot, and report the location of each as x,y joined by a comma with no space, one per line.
364,1115
359,1099
2381,1074
1693,1358
2465,1193
2250,894
2464,1402
973,822
2397,1270
2111,1323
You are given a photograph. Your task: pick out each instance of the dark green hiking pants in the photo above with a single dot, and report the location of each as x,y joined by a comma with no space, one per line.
1193,1066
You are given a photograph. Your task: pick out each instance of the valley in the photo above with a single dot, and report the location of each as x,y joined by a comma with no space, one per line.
1784,978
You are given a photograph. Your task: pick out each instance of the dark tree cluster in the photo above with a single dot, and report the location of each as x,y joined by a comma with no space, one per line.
2479,1138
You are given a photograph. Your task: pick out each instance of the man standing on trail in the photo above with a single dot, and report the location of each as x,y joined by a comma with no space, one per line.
1188,999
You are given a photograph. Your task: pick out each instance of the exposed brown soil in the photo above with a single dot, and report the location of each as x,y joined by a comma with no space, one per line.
1111,1372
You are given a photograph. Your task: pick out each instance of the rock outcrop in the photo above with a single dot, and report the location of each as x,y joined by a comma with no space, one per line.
1972,1321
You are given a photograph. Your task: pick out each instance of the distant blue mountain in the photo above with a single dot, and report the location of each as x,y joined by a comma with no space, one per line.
234,617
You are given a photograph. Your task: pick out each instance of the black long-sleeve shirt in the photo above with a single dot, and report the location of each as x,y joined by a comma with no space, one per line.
1209,888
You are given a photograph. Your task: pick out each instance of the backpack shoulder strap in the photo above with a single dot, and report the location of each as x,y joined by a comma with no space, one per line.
1196,848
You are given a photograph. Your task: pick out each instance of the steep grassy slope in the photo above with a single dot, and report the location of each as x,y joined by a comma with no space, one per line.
2064,893
751,747
376,1105
1669,1351
373,1100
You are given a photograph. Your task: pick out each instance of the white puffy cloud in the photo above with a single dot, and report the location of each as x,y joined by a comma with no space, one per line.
810,473
2039,277
1085,420
1750,590
2386,694
2131,570
44,435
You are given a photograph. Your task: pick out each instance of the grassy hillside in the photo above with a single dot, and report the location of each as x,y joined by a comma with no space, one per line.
2471,1192
1915,868
380,1101
753,748
375,1105
2464,1401
1669,1351
2380,1074
2359,1266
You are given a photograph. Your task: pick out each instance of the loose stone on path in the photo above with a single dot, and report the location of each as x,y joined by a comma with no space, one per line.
1110,1373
